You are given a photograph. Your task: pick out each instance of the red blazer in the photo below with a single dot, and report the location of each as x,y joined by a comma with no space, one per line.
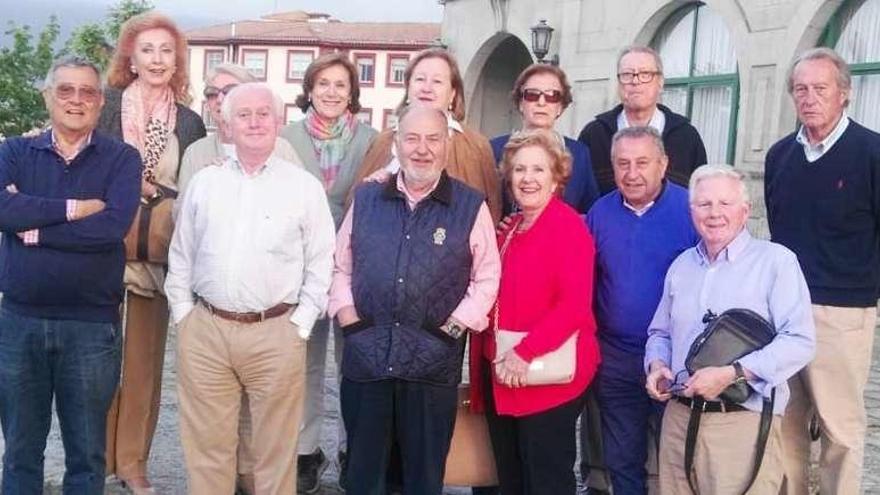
547,291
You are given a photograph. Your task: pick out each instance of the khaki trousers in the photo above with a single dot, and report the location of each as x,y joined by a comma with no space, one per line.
219,360
724,455
131,420
832,387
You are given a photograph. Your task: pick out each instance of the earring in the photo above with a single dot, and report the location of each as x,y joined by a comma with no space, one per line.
133,69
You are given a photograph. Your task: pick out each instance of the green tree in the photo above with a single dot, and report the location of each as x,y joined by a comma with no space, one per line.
121,12
23,65
95,41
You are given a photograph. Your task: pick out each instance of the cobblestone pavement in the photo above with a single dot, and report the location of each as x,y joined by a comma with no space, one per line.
166,467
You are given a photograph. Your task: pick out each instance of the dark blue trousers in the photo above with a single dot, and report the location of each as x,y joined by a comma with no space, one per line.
78,363
420,417
628,418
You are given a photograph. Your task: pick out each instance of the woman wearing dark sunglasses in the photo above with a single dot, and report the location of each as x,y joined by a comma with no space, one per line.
541,93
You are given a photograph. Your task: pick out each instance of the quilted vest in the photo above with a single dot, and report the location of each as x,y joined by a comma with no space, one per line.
411,269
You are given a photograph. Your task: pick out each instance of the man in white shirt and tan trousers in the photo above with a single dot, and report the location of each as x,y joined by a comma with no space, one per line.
249,270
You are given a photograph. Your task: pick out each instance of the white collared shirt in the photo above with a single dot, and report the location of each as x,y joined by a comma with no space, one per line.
658,121
638,211
246,243
814,152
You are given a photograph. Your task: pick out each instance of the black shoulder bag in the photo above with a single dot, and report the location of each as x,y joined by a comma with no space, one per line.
728,337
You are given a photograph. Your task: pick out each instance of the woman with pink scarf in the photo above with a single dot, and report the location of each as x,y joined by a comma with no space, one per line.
331,143
145,106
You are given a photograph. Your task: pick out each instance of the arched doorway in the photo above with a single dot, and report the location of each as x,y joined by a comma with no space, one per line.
491,75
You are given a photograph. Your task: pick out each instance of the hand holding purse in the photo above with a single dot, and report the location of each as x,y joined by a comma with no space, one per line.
554,368
149,236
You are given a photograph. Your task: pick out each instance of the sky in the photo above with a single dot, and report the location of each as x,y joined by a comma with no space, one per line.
198,13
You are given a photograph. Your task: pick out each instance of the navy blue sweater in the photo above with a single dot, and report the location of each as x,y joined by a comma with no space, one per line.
75,271
633,254
828,213
581,190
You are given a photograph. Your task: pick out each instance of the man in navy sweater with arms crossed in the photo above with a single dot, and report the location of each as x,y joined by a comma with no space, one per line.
67,199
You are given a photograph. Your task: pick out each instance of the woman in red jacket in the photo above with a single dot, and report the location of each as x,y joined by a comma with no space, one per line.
545,294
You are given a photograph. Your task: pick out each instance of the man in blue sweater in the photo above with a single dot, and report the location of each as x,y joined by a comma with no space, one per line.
639,229
822,189
67,199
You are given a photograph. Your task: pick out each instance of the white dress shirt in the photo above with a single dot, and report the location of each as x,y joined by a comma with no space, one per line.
246,243
814,152
658,121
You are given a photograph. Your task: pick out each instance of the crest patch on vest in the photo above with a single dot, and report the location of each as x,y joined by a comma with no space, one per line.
439,236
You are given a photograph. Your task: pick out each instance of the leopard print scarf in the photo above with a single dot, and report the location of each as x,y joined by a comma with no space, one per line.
148,129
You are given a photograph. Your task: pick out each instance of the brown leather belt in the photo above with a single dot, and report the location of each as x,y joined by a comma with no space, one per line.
274,311
711,406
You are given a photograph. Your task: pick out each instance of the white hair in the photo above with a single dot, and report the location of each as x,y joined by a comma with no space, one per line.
717,170
226,106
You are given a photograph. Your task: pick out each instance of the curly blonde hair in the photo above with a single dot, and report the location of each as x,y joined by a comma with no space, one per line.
549,141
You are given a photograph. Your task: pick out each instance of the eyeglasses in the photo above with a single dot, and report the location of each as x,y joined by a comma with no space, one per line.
631,77
212,92
532,95
88,94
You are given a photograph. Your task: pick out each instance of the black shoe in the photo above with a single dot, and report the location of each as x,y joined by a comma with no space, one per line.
309,469
342,459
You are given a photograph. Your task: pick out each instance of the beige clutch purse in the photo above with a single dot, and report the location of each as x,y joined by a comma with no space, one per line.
554,368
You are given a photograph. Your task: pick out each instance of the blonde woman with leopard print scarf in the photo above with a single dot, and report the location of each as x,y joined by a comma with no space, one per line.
145,107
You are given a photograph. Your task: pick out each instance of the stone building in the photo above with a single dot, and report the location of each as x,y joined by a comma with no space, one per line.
277,48
725,62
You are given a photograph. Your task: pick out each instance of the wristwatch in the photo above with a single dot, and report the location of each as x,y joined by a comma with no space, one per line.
453,329
740,374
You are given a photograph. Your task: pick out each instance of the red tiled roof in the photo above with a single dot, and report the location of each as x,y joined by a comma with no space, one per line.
335,33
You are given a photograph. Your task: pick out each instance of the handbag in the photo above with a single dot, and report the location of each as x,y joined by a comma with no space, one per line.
471,461
728,337
557,367
149,236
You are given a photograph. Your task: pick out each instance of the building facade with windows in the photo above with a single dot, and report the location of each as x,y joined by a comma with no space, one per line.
725,62
278,48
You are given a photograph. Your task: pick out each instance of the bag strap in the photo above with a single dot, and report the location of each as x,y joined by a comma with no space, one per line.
509,237
693,429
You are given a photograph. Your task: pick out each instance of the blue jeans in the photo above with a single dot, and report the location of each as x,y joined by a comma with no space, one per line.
77,362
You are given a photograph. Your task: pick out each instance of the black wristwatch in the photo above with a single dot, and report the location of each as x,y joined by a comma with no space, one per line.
453,329
740,374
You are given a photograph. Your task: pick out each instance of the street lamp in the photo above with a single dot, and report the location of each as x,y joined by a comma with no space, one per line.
542,34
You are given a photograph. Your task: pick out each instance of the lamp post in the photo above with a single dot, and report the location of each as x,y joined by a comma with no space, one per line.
542,34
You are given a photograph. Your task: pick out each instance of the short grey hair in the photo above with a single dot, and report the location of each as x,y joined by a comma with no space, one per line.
72,62
237,71
641,49
639,132
226,106
440,114
710,171
844,77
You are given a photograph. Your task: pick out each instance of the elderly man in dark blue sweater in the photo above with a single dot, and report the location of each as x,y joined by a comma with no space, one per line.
68,196
822,189
639,229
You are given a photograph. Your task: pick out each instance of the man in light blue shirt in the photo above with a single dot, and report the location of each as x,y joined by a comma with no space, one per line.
727,269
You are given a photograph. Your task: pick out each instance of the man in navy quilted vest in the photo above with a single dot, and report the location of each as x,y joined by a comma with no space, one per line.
417,267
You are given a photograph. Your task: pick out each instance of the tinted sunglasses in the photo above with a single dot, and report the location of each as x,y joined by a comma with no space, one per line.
532,95
212,92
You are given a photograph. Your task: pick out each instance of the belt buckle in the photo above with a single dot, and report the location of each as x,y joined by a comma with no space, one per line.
262,316
723,407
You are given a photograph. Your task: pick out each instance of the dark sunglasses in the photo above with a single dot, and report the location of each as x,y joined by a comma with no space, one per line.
532,95
212,92
678,384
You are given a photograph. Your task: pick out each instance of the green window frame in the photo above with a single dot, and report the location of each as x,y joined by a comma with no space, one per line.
693,82
860,69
